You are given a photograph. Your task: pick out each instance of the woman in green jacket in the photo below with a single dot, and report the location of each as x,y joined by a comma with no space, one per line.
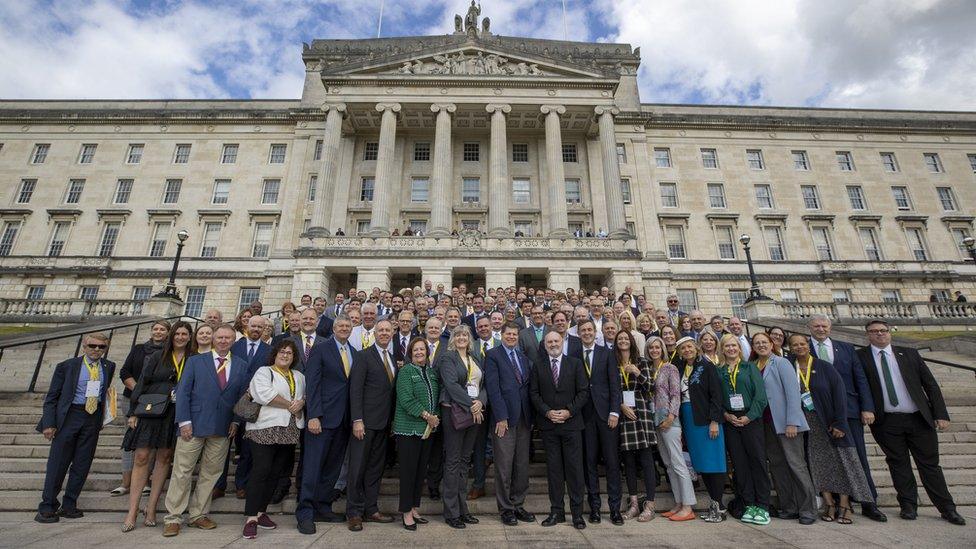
745,403
416,416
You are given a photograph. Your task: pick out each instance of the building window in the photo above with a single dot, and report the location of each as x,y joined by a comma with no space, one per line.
521,191
754,158
789,295
470,190
75,188
229,154
625,190
88,293
890,296
801,162
687,299
317,152
211,238
916,243
774,243
110,235
157,246
419,189
764,196
569,153
574,193
142,293
902,200
421,151
933,162
845,161
371,150
39,154
942,296
182,154
821,241
171,193
662,158
418,226
811,199
59,237
194,301
8,237
277,154
841,296
26,191
470,225
669,195
221,191
889,162
35,293
269,191
471,152
947,199
870,242
709,159
362,227
123,189
621,153
726,242
958,235
716,195
87,155
523,228
856,195
134,156
675,237
366,189
972,161
520,152
738,299
262,239
248,296
313,182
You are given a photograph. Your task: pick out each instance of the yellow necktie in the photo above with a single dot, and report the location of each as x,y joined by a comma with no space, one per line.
345,360
386,364
91,403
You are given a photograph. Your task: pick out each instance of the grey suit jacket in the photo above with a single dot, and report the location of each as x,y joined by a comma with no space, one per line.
453,374
529,344
783,394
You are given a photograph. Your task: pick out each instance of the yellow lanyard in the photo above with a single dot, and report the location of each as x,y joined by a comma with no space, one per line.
805,379
712,358
93,369
625,376
674,352
469,364
290,378
178,365
734,373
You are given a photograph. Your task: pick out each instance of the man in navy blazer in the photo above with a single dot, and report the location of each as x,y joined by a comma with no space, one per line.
72,421
208,389
860,403
508,372
327,432
572,346
478,303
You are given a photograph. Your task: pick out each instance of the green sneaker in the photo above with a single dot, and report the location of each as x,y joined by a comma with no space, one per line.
761,517
749,515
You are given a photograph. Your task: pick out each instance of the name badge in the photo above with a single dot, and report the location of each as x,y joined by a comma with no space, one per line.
472,391
807,400
93,389
630,398
172,396
737,402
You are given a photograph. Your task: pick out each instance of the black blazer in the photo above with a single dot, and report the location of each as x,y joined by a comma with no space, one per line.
371,393
453,375
574,348
921,384
62,391
324,329
571,393
158,378
605,392
132,367
706,392
398,350
830,400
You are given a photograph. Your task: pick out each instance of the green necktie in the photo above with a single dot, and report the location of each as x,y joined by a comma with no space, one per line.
822,351
889,382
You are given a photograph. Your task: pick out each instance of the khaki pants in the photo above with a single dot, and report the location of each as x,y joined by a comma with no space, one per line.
185,457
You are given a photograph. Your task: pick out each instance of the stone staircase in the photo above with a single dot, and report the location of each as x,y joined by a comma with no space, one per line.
23,454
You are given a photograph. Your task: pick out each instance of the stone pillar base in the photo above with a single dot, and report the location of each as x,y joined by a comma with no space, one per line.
621,278
312,281
560,279
499,278
759,309
368,278
437,275
163,307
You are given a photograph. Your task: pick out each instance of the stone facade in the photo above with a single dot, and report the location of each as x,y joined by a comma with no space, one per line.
515,144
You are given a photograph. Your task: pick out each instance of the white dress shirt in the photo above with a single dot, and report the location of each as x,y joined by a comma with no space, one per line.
828,346
905,403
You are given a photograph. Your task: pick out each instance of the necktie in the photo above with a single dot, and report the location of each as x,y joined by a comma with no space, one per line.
515,364
586,362
91,403
221,372
386,363
822,351
555,370
538,335
308,346
484,348
345,360
403,343
250,352
888,380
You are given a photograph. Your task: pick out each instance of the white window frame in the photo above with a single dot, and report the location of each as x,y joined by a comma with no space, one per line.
74,192
889,162
270,191
855,195
621,153
371,151
220,194
845,161
716,196
947,199
195,298
210,240
662,158
721,232
420,190
229,152
181,153
811,197
668,200
521,196
367,192
905,197
676,250
56,246
157,245
626,191
421,149
764,202
313,183
917,244
39,153
8,237
870,242
108,241
134,153
822,242
277,153
468,195
933,162
26,191
87,153
755,160
171,195
801,161
577,191
773,247
709,156
261,248
123,190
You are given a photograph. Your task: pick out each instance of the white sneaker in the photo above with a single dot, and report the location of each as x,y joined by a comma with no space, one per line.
120,491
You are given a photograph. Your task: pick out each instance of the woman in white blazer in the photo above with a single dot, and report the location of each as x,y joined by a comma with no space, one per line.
280,390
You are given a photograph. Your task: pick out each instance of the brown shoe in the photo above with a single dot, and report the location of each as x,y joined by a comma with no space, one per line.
204,523
172,529
379,517
240,493
216,494
355,524
476,493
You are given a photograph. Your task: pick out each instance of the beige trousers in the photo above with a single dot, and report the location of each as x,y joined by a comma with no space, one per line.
185,457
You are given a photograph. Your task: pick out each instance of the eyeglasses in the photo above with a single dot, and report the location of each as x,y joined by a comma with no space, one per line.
879,331
90,346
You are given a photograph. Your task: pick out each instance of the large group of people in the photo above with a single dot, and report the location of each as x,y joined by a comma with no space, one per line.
327,397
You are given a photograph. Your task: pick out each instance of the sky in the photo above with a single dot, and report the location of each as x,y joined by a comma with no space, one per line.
889,54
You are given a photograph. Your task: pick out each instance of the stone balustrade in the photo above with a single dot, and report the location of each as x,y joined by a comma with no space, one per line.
469,242
16,308
859,312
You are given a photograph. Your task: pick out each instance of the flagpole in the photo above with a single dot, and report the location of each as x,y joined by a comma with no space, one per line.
565,29
379,26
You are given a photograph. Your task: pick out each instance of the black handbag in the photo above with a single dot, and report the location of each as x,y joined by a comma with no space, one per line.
151,405
246,408
461,417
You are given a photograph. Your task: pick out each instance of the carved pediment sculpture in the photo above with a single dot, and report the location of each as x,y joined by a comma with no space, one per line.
477,64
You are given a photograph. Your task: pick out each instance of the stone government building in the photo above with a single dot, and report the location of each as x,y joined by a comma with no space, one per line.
494,137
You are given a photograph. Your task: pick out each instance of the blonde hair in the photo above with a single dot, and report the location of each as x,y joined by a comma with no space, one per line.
721,348
710,333
642,316
629,316
461,329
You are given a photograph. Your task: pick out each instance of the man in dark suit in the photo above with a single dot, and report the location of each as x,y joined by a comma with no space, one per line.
530,338
478,303
371,395
72,420
294,319
571,344
600,417
405,331
437,339
210,386
559,391
327,433
674,311
909,412
860,404
507,380
483,343
336,309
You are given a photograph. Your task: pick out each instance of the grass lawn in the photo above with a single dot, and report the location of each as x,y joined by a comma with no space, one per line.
18,330
928,336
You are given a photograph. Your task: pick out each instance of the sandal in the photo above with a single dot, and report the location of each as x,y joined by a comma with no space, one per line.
148,523
128,527
119,491
829,513
843,517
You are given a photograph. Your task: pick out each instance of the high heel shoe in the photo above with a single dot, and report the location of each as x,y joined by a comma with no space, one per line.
411,527
420,520
148,523
128,527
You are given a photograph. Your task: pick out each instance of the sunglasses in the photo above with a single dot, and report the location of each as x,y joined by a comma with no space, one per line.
90,346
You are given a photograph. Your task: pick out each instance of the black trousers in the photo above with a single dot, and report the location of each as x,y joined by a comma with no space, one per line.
644,456
857,433
271,462
73,447
600,440
901,435
414,455
367,459
284,481
747,449
435,466
564,467
715,484
458,445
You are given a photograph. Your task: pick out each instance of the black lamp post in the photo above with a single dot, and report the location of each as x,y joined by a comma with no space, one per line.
754,292
970,244
170,289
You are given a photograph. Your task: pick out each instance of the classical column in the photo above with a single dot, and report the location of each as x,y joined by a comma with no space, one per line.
616,220
379,221
558,218
442,173
500,189
329,170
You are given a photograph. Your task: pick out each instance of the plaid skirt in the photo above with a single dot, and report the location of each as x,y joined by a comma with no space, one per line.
639,433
